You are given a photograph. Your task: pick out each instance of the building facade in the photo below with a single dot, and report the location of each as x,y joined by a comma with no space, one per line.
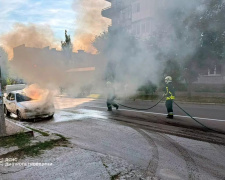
38,65
214,75
139,18
135,16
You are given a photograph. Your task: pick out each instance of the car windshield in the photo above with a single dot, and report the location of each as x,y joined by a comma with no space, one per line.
22,98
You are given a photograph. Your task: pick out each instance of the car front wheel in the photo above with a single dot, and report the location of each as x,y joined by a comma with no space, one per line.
50,117
19,116
7,113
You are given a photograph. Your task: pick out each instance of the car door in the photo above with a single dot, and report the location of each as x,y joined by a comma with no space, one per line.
10,102
7,102
13,103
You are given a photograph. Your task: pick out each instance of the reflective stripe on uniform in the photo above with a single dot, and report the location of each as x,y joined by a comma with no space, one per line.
171,97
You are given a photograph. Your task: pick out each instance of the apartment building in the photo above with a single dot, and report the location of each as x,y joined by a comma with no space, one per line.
135,16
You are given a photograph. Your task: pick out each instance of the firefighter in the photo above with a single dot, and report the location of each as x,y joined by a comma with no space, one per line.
170,96
110,97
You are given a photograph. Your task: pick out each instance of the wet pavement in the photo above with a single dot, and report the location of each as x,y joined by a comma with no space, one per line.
155,146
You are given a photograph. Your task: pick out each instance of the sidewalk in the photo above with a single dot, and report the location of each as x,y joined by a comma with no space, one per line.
13,128
65,161
29,138
71,163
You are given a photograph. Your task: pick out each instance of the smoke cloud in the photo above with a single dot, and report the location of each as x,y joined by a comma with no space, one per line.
133,63
32,35
128,62
35,92
43,98
89,22
56,70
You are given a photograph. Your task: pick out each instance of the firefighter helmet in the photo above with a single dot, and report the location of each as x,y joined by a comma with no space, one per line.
168,79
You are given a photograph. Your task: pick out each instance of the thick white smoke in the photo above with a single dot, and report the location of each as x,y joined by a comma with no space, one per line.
32,35
125,61
89,23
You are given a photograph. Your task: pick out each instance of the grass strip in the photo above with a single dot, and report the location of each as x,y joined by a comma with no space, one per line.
35,150
39,131
62,137
20,140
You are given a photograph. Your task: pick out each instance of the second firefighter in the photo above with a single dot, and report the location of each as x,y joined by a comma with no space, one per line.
111,97
170,96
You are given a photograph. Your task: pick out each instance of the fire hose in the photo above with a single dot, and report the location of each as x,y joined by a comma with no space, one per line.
197,120
142,109
178,107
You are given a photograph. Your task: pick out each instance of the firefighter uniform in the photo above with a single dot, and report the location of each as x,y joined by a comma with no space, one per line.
170,96
111,97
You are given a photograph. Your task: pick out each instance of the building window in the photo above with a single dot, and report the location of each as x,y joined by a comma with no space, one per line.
215,70
136,8
143,29
126,14
136,28
148,26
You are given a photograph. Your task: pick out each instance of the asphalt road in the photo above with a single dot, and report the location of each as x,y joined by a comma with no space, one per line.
166,149
208,111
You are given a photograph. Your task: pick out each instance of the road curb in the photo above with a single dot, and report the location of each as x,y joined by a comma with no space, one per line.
13,128
6,152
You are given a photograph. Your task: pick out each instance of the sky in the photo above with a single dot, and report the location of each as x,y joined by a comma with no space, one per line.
57,14
41,23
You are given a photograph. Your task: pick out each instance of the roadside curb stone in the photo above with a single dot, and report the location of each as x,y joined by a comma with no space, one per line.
34,141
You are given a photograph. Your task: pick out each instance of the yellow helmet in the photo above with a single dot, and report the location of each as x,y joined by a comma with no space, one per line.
168,79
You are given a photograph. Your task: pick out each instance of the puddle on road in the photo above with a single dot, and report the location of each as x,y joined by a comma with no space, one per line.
81,114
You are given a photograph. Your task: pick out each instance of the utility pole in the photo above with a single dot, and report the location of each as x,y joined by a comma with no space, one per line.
2,117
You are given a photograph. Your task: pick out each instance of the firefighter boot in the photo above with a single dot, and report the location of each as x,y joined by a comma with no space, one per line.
169,116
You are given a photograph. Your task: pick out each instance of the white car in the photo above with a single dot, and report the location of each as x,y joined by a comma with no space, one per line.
17,102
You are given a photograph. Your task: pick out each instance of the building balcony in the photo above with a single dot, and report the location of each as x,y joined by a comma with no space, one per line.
108,12
211,79
113,10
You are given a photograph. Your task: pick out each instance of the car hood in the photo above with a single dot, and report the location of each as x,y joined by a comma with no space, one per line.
35,104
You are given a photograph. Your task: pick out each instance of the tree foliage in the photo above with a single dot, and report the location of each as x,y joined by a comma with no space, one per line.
188,41
148,88
199,41
211,27
67,45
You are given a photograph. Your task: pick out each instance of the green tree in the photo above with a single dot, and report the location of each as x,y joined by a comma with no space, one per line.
211,32
148,88
208,28
199,40
67,45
